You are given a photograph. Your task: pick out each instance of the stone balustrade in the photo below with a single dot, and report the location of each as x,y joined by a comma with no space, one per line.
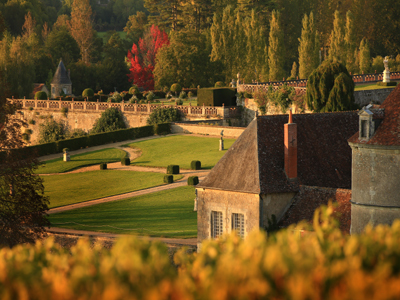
128,108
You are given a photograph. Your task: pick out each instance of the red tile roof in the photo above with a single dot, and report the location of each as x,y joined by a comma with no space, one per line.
388,132
310,198
37,88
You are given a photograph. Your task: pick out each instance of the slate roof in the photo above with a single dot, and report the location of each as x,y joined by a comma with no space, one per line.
310,198
61,76
388,132
255,162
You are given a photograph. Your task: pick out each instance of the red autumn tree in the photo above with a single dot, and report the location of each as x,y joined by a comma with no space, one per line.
143,58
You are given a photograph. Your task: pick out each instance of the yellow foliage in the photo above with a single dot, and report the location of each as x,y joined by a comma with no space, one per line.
290,264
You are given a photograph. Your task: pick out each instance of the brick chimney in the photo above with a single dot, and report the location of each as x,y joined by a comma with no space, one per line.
290,141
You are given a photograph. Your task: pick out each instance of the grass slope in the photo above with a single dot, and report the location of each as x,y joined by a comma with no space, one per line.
180,150
81,160
168,214
79,187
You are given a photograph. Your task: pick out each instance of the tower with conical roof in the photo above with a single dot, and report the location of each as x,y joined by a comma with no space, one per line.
61,82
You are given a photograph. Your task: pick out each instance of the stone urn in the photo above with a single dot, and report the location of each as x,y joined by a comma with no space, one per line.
66,154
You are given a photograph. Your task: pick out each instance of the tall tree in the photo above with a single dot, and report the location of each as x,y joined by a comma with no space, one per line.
308,48
81,27
135,26
276,51
197,14
167,15
337,48
364,56
350,43
23,205
142,57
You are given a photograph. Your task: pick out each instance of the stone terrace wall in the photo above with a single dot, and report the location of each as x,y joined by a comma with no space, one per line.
365,97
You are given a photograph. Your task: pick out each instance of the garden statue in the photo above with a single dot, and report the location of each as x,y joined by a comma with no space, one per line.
221,141
66,154
386,72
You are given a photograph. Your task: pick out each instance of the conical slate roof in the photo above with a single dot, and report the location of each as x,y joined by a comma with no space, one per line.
61,76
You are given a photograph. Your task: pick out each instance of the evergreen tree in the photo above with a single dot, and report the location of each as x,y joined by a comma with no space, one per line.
350,41
197,14
293,72
337,50
276,48
365,56
167,15
308,48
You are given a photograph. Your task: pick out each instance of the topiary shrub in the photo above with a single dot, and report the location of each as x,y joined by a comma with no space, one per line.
176,88
103,166
134,90
219,84
41,95
195,165
173,169
87,93
164,115
168,178
193,180
179,102
125,161
150,96
183,95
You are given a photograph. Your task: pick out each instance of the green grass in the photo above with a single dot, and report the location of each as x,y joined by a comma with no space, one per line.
168,213
370,86
81,160
180,150
193,102
79,187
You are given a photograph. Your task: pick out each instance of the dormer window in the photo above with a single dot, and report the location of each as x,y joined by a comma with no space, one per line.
363,128
370,118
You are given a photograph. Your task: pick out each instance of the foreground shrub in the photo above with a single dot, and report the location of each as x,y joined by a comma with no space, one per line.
290,264
173,169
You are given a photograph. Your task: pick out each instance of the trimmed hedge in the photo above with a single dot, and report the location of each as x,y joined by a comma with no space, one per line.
41,95
195,165
103,166
98,139
216,97
392,83
173,169
168,179
125,161
193,180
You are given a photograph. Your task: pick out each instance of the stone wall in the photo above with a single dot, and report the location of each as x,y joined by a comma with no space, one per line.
275,204
377,96
226,202
375,185
229,132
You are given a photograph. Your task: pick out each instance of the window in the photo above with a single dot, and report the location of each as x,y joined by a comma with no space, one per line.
238,224
364,128
217,224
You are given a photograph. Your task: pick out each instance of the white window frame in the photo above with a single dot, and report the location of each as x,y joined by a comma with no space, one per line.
217,224
238,223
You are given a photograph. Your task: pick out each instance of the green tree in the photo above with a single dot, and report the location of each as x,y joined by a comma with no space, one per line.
276,52
81,28
125,8
350,43
52,131
197,14
293,72
167,15
330,88
111,119
23,204
337,49
365,56
135,26
308,48
60,44
186,61
164,115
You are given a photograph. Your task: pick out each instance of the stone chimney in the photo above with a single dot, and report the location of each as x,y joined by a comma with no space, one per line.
290,140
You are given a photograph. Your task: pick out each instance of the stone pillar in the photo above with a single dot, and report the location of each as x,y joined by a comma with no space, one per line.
221,144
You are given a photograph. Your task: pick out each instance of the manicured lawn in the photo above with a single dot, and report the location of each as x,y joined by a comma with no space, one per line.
180,150
370,86
168,213
79,187
81,160
193,102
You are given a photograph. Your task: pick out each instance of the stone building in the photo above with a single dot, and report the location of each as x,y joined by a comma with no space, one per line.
273,168
61,82
376,165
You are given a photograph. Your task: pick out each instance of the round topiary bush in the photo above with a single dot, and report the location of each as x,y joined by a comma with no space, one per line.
87,93
41,95
134,90
176,88
219,84
150,96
